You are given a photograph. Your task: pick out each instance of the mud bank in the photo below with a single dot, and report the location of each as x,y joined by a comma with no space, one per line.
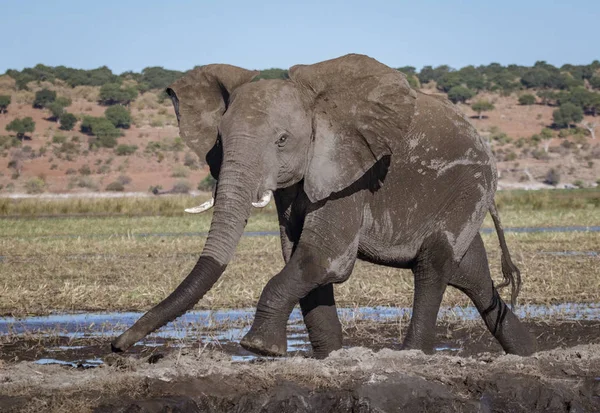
351,380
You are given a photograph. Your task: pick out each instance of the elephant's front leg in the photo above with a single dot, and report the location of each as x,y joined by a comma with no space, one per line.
325,254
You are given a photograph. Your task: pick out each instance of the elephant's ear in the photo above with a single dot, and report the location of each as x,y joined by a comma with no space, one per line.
200,98
360,107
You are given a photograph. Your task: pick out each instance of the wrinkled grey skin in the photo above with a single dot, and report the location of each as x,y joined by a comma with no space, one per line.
362,166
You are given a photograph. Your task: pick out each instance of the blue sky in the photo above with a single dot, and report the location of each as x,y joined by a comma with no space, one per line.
130,35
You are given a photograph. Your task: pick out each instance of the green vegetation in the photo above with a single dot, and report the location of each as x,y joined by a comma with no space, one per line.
482,106
21,126
125,150
119,116
35,186
43,98
207,184
527,99
552,177
4,102
103,129
567,114
67,121
460,94
114,93
273,73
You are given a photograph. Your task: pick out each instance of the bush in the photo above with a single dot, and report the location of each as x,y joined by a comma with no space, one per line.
35,186
482,106
43,98
85,170
460,94
119,116
67,121
181,187
180,171
567,114
70,171
190,161
21,126
124,179
207,184
83,182
103,129
4,102
113,93
125,150
115,187
7,142
59,139
552,177
527,99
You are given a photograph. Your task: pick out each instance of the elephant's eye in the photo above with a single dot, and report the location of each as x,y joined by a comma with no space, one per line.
281,141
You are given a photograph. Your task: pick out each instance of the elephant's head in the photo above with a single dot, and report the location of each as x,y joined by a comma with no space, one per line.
325,127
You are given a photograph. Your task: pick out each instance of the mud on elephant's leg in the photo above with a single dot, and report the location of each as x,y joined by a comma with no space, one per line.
302,276
322,322
474,279
431,273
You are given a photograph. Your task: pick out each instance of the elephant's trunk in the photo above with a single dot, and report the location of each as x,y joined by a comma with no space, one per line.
235,193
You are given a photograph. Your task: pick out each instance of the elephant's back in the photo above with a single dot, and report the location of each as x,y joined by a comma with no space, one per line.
442,179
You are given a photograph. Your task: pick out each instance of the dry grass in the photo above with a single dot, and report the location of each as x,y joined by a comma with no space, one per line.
39,275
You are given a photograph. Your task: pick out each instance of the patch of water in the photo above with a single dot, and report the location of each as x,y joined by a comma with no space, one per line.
226,326
89,363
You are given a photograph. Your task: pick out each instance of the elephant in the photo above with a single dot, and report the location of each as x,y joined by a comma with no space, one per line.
361,166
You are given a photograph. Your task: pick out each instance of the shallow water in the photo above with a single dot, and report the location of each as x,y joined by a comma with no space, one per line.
226,327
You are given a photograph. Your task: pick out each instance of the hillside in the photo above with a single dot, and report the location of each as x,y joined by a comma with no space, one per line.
524,137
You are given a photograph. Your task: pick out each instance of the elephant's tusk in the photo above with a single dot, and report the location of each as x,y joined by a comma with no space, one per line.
264,201
201,208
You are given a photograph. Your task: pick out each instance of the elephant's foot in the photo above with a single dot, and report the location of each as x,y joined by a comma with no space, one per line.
266,340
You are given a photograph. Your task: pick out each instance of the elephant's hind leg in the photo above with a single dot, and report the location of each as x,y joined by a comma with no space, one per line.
474,279
432,271
322,322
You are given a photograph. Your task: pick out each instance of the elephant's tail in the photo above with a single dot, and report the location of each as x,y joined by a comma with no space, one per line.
511,273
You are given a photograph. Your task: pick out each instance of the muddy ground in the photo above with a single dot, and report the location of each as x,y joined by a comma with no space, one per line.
469,373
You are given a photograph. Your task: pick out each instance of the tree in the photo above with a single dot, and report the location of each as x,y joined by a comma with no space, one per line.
119,116
595,82
43,98
449,81
67,121
21,126
56,110
4,102
527,99
567,114
103,129
482,106
113,93
460,94
273,73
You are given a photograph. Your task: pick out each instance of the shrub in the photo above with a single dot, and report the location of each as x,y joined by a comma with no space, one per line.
207,184
67,121
124,179
567,114
59,139
113,93
115,187
125,150
119,116
181,187
180,171
460,94
190,161
85,170
4,102
7,142
21,126
482,106
35,186
70,171
43,98
579,183
83,182
552,177
527,99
